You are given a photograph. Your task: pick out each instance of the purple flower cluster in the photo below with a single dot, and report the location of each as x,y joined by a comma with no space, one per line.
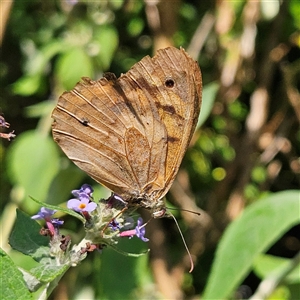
103,227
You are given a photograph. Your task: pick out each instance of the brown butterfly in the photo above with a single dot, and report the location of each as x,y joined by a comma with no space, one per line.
130,134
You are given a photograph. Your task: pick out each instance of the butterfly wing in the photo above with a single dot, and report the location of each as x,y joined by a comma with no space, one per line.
175,82
130,134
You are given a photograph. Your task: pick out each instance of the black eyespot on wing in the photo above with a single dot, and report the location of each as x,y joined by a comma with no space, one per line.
169,83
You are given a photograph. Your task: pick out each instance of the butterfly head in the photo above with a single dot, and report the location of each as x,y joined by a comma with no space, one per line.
159,212
157,207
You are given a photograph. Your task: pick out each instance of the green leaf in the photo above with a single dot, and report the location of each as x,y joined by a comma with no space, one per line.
117,4
40,109
71,66
27,85
107,38
26,238
39,58
281,293
259,226
47,272
294,8
32,163
51,273
12,283
265,264
135,26
32,81
259,174
293,291
111,272
208,100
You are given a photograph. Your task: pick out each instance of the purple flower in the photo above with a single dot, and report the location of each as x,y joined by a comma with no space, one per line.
52,224
57,222
139,231
3,123
85,191
114,225
82,205
44,213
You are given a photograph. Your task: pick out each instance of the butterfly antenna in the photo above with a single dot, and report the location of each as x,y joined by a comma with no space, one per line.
185,245
187,210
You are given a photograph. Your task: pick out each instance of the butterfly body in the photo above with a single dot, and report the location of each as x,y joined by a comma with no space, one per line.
130,134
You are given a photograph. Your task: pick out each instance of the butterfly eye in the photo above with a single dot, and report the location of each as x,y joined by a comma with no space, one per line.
169,83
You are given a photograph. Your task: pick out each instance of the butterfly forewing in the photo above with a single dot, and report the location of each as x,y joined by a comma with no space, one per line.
130,134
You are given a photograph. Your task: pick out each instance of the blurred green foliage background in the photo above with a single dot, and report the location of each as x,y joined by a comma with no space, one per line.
246,146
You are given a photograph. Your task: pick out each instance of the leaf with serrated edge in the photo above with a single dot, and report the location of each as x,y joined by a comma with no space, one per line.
12,283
